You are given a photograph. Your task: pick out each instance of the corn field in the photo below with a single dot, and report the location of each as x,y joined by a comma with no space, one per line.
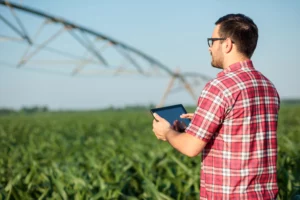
113,155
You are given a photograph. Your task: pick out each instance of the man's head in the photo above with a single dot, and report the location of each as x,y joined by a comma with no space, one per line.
234,34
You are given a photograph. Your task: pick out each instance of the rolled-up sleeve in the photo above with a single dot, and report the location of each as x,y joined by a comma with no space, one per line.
209,114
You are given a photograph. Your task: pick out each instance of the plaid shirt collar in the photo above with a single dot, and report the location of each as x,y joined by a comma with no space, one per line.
236,66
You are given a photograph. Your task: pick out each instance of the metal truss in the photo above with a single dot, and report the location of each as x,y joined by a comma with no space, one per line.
56,44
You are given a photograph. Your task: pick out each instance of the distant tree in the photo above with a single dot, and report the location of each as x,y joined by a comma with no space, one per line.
45,109
291,101
6,111
34,109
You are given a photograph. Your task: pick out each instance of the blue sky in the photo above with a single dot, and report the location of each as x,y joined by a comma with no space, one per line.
173,32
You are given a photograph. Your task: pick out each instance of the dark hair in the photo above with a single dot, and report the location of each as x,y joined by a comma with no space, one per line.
240,29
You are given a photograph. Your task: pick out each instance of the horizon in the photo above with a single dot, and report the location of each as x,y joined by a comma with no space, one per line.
291,101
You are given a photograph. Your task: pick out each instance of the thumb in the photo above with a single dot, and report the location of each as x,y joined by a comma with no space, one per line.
157,116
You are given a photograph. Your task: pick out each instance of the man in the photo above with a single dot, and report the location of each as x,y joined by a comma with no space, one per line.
235,123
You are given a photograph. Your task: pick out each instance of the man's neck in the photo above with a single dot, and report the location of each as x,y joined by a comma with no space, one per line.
231,60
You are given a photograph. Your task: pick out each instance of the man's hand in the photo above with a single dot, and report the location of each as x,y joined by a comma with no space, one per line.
179,126
187,115
161,127
183,142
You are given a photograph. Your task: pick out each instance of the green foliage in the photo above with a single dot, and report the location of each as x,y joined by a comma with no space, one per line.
112,155
289,152
91,156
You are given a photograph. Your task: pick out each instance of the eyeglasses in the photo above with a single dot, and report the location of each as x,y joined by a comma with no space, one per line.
210,41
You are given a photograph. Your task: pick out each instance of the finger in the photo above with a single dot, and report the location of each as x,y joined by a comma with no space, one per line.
175,128
157,116
187,115
160,119
183,115
190,115
162,138
183,125
175,125
154,122
175,122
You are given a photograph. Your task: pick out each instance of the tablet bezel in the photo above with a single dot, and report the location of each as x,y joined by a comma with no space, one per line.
153,110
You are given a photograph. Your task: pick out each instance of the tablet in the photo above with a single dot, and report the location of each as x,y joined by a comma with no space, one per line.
172,113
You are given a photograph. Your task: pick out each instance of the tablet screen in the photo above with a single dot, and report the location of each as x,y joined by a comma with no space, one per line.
172,113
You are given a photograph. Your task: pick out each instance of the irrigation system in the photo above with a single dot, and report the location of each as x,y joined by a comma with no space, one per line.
37,40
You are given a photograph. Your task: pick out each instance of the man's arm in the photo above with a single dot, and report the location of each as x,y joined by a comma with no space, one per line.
206,121
183,142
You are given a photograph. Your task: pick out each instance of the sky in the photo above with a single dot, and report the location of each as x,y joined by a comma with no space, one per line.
173,32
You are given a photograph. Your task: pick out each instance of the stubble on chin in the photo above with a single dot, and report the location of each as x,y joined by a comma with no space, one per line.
214,63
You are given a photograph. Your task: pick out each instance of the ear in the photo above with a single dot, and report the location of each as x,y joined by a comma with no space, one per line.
227,45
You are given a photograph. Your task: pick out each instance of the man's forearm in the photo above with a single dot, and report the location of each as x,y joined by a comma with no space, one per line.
185,143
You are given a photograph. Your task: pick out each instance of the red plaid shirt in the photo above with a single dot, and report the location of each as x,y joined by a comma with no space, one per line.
237,116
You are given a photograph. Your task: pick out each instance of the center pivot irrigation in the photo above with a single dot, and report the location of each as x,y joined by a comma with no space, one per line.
44,42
